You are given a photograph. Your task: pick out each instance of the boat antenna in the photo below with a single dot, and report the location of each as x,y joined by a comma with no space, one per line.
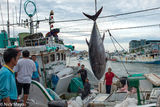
8,24
118,52
16,14
13,22
2,16
20,11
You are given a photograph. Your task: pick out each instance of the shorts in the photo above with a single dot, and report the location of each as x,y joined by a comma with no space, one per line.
24,86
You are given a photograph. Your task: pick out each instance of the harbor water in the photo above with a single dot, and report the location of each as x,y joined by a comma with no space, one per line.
118,67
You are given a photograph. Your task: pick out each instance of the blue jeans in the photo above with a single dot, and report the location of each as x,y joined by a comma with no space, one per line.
108,89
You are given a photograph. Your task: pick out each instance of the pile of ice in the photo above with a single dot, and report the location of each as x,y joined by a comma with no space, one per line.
76,103
129,102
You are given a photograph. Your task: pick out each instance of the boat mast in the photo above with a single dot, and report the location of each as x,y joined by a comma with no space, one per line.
51,21
1,16
8,24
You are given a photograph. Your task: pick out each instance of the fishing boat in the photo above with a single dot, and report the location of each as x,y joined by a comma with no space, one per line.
135,58
143,51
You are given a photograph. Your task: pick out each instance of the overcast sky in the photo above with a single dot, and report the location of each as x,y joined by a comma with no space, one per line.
72,9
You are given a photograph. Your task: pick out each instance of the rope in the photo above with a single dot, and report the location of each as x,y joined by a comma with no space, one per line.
118,53
117,42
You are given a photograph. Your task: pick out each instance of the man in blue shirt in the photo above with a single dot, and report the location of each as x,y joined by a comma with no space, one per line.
8,90
36,74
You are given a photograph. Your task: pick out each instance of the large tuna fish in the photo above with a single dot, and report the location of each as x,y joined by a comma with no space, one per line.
96,49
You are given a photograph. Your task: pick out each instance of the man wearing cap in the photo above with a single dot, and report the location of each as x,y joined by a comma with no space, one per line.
108,79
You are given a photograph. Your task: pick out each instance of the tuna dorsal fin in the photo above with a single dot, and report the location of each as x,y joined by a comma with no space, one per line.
94,17
87,42
103,37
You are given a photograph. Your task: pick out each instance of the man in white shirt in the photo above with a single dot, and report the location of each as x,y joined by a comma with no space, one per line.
24,69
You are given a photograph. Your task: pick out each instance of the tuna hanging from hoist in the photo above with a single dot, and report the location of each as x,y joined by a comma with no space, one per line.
97,54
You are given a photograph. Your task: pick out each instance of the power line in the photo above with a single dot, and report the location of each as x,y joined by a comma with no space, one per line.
124,28
133,27
127,13
84,19
121,14
103,17
78,36
113,20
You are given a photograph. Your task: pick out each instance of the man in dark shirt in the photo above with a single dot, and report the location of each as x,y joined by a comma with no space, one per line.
86,90
83,73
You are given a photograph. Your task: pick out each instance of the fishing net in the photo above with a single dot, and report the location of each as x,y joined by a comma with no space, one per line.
75,85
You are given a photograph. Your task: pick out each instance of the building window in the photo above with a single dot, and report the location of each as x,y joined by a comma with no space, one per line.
46,59
64,56
52,57
58,56
61,56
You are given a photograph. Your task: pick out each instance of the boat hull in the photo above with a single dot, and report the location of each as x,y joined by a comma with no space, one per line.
145,60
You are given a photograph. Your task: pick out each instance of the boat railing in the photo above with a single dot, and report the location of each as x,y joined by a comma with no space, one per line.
36,42
42,41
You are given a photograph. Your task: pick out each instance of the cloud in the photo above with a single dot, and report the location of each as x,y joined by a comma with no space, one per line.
72,9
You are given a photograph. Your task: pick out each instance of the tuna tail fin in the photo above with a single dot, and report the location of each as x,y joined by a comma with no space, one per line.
94,17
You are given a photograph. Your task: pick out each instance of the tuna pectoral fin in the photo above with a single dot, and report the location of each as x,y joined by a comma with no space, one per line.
87,42
103,37
94,17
